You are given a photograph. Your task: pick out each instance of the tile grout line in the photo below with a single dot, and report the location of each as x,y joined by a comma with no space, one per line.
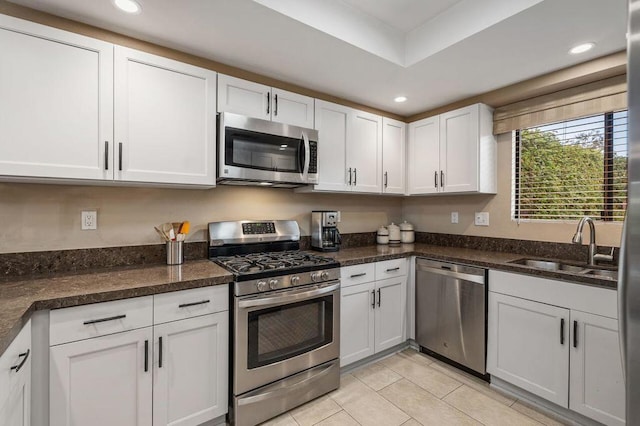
452,391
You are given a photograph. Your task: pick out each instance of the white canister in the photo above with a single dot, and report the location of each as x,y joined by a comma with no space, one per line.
382,237
394,233
407,234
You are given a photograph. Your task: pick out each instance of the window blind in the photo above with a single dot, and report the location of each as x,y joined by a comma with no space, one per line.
572,168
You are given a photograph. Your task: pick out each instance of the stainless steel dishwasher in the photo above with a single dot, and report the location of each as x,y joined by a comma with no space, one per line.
451,312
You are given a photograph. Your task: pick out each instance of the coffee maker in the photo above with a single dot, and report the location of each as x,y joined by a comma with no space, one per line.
324,231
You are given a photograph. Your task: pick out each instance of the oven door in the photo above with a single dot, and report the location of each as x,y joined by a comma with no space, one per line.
283,333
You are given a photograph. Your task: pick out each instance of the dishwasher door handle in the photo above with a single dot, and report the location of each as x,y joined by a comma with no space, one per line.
478,279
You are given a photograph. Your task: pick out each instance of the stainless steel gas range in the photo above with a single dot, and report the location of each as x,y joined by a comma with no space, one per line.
286,318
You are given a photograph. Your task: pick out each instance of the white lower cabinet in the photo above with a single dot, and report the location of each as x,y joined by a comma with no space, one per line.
102,381
372,313
15,381
190,370
173,372
542,339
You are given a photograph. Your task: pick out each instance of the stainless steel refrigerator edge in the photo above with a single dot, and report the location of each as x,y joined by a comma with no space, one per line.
629,284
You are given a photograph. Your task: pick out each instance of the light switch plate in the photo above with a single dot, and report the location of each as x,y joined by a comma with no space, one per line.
454,217
482,219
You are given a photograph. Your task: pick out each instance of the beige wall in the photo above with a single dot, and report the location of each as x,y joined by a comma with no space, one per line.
47,217
433,214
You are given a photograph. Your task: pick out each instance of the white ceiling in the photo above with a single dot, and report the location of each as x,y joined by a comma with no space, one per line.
369,51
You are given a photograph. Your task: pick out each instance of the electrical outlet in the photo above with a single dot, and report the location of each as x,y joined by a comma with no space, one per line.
89,219
482,219
454,217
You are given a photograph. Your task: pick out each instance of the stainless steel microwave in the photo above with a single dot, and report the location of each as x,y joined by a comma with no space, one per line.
260,152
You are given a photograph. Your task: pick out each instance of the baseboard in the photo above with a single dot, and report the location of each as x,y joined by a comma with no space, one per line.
376,357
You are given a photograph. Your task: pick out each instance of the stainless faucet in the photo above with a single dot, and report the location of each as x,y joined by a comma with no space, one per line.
593,255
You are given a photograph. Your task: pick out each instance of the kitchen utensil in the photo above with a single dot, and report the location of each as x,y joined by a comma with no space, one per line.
164,237
166,227
185,227
394,233
407,234
382,236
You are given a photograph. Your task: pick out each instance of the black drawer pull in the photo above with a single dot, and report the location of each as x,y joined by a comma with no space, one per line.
146,356
373,303
186,305
358,275
25,357
106,155
562,331
117,317
379,298
393,269
160,352
575,334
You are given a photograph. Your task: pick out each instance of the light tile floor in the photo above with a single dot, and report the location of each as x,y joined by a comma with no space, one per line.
412,389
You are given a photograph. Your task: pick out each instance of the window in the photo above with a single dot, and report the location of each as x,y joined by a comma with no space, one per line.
570,169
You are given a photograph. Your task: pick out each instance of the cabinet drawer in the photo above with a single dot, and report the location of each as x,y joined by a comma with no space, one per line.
357,274
190,303
391,268
99,319
12,357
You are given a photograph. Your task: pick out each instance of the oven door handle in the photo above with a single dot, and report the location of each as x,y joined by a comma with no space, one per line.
290,388
288,298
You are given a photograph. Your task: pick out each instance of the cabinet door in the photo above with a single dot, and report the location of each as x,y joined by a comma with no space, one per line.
528,346
597,382
459,149
357,323
393,156
191,370
423,159
165,128
331,123
17,409
364,151
103,381
390,312
244,97
292,108
56,103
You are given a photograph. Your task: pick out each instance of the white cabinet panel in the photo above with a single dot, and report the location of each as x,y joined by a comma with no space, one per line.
364,151
17,409
597,387
423,159
393,156
459,150
357,274
15,380
527,346
184,304
165,129
292,108
244,97
191,370
357,324
103,381
390,312
56,103
332,122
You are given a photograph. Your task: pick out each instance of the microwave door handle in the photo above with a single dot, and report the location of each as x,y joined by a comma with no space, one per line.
306,154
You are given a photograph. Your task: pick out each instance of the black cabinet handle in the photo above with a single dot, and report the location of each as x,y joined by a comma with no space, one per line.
106,155
117,317
435,178
562,331
349,176
393,269
441,178
268,101
25,357
120,156
575,334
275,104
186,305
386,179
358,275
146,356
355,177
379,298
160,352
373,303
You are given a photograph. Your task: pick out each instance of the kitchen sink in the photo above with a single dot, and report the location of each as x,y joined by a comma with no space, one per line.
557,265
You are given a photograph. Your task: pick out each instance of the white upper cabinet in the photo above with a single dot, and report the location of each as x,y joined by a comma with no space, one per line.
393,156
331,122
364,152
56,103
454,152
259,101
165,128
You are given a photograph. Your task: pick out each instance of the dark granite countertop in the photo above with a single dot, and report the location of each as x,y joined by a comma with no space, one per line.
20,296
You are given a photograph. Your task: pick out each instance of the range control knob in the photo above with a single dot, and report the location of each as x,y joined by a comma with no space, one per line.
262,285
315,276
273,284
295,280
325,275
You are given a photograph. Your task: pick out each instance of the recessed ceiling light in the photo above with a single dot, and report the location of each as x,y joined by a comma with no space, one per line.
581,48
400,99
129,6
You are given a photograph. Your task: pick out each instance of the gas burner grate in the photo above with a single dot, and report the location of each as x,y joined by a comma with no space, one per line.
258,262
